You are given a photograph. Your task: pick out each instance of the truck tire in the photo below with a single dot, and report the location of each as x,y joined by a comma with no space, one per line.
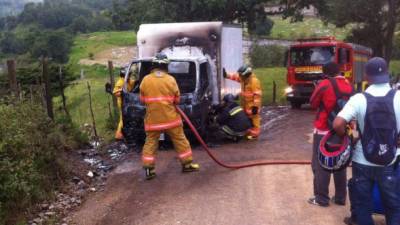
133,138
295,104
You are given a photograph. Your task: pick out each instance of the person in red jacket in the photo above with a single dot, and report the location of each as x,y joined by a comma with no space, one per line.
324,99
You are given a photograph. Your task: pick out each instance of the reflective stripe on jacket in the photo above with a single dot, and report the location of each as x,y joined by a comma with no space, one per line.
251,92
159,92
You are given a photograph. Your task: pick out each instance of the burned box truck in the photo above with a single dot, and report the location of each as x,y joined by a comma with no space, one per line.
197,52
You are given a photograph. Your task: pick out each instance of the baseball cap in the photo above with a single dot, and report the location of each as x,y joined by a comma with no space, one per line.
331,69
377,71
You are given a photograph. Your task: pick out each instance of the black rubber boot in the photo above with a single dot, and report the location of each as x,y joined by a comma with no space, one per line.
150,173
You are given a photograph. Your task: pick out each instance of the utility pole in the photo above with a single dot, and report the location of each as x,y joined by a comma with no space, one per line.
112,82
64,101
91,112
12,77
46,79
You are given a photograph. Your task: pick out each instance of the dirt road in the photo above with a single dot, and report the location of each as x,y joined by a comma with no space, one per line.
273,195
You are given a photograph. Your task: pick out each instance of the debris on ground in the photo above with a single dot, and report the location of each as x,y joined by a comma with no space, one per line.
96,165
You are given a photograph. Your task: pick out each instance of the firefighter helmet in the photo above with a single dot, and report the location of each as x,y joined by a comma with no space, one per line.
245,71
334,151
160,58
229,98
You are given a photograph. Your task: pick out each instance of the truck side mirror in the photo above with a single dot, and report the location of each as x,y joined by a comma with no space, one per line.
285,60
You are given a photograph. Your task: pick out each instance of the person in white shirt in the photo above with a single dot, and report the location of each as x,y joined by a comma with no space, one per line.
379,163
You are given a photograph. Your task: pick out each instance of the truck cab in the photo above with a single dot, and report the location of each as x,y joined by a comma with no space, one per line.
192,77
305,60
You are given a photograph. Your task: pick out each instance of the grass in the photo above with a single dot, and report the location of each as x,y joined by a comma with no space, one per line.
309,27
99,41
394,67
97,75
266,77
78,104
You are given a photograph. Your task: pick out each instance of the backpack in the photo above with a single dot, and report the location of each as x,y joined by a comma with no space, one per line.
379,139
341,100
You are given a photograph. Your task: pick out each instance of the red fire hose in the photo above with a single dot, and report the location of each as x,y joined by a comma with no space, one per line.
238,165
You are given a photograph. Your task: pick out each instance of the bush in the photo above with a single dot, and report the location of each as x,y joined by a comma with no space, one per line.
267,56
32,151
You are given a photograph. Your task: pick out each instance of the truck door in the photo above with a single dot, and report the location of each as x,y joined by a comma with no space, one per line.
344,60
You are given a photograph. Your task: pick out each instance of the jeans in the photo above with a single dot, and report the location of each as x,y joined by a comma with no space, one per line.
388,180
322,178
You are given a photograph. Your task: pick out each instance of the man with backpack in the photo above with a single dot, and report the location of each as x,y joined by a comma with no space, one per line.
327,98
376,157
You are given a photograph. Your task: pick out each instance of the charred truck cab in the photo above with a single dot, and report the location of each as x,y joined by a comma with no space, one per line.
305,60
197,54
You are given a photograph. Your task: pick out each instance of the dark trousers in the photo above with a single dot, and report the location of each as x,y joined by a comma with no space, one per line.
322,178
388,180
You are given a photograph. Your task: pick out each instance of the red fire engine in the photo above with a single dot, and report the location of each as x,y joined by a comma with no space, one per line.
306,57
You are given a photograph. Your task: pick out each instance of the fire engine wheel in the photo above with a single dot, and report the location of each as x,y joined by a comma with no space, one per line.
295,104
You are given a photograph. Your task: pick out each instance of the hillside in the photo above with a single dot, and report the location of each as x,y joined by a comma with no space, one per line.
13,7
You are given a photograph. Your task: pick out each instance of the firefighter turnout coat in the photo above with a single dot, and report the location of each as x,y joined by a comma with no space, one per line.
118,93
160,93
250,97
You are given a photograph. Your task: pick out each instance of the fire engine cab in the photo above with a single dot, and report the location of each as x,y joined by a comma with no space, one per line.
306,57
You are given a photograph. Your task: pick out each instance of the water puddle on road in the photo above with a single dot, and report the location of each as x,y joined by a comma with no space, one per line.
125,167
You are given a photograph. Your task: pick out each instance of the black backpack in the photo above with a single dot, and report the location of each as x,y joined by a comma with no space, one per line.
379,139
341,100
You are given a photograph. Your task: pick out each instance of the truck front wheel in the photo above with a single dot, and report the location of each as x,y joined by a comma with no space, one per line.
295,104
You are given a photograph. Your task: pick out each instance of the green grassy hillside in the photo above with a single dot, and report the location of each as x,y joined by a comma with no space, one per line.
96,75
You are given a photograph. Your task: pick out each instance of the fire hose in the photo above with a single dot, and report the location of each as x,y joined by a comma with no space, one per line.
236,165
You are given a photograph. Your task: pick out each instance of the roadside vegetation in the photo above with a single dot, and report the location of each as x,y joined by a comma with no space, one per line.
33,156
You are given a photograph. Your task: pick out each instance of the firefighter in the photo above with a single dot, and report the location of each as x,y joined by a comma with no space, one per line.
118,94
250,97
232,119
159,92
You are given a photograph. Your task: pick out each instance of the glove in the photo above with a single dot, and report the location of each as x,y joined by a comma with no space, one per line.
224,73
215,109
254,110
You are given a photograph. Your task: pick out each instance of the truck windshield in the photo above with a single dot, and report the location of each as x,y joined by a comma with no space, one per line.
311,56
185,75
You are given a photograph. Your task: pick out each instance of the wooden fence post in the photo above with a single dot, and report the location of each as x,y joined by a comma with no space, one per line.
273,92
91,112
64,101
46,79
12,77
112,82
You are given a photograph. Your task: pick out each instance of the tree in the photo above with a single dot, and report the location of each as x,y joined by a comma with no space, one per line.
248,12
11,44
79,25
53,44
374,21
